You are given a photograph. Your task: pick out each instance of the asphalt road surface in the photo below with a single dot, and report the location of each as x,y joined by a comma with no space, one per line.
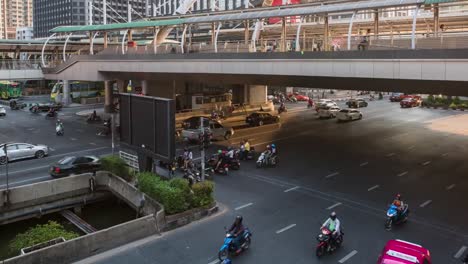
354,168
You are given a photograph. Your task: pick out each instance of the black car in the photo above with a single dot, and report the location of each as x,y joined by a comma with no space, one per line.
259,119
74,165
45,107
194,122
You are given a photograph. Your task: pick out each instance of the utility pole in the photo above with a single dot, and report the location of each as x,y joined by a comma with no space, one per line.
202,150
112,128
90,13
7,193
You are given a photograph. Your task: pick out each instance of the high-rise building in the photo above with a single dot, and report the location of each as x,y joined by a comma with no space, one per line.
49,14
14,14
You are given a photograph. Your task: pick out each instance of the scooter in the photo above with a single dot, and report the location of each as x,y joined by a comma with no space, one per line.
264,162
228,248
393,218
324,242
59,130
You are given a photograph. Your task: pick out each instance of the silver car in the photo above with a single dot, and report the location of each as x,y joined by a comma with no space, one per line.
2,111
16,151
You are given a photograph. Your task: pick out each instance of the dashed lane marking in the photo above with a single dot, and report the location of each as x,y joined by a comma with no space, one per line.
425,203
333,206
426,163
350,255
291,189
390,154
286,228
450,187
243,206
460,252
92,143
402,174
373,188
444,155
364,164
73,139
332,175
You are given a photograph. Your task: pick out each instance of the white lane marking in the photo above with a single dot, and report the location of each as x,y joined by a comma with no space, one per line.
373,188
350,255
364,164
451,186
214,261
425,203
286,228
92,143
31,128
333,206
28,180
390,154
73,139
445,154
460,252
332,175
426,163
291,189
243,206
402,174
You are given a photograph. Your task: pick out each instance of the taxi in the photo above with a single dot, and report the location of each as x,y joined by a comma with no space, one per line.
404,252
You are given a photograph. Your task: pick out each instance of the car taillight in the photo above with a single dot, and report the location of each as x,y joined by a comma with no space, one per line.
57,170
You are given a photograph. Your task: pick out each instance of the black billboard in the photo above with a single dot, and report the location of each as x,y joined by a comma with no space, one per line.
147,125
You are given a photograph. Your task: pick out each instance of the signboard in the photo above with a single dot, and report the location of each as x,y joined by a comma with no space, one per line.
147,125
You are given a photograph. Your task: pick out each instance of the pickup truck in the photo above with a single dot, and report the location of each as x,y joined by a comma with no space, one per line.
217,130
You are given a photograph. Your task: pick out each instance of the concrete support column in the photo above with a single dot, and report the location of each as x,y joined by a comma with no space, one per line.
144,87
436,20
90,42
213,29
376,24
246,32
66,93
121,86
108,97
105,40
283,34
161,88
325,34
257,94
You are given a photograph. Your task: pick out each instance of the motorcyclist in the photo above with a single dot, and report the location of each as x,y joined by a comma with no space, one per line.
333,224
398,202
242,154
237,229
59,126
230,153
274,152
187,156
51,112
247,148
35,108
310,103
282,108
267,153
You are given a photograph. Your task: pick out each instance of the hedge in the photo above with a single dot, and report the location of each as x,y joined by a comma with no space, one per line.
39,234
117,166
175,195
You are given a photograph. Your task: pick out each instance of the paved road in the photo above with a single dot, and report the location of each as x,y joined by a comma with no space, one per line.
354,168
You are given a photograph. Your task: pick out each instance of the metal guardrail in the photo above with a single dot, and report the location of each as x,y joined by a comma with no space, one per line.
10,64
131,160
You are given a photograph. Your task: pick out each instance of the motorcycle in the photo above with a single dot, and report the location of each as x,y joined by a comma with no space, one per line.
34,109
281,110
394,218
264,162
51,114
192,175
324,242
228,248
59,130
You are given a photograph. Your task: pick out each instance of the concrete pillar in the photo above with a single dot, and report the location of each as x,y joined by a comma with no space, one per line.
376,24
257,94
161,88
66,93
129,35
108,97
213,29
121,86
246,32
325,34
90,42
436,20
144,87
105,40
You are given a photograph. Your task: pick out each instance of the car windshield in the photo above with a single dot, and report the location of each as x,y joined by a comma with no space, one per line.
344,111
65,160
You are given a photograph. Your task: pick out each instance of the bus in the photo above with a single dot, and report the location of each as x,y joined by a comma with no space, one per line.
10,90
79,89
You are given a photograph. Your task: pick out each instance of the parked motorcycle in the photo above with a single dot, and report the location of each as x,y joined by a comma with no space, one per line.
228,248
394,218
325,244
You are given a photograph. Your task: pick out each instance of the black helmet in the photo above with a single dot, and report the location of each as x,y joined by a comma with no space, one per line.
185,149
239,219
333,215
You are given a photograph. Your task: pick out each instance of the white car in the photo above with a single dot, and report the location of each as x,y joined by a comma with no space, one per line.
16,151
2,111
328,111
325,103
348,115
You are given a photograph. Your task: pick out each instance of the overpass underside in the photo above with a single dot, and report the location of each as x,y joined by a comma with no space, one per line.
420,71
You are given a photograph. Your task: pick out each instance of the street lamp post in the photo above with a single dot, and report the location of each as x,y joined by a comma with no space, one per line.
202,150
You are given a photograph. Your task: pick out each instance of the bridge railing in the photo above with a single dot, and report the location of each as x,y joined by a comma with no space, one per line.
12,64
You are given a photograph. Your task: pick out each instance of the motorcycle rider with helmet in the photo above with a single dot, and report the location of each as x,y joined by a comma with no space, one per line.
333,224
237,229
398,202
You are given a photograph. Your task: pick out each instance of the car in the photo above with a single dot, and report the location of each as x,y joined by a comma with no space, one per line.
194,122
260,119
17,151
397,97
356,103
2,111
45,107
348,115
74,165
299,96
404,252
328,111
324,103
216,129
411,101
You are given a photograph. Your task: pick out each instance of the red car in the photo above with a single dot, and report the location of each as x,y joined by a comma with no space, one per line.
300,97
403,252
411,101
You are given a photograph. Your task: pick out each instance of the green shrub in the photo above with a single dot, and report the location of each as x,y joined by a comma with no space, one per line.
117,166
182,184
453,105
39,234
456,100
431,98
203,194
